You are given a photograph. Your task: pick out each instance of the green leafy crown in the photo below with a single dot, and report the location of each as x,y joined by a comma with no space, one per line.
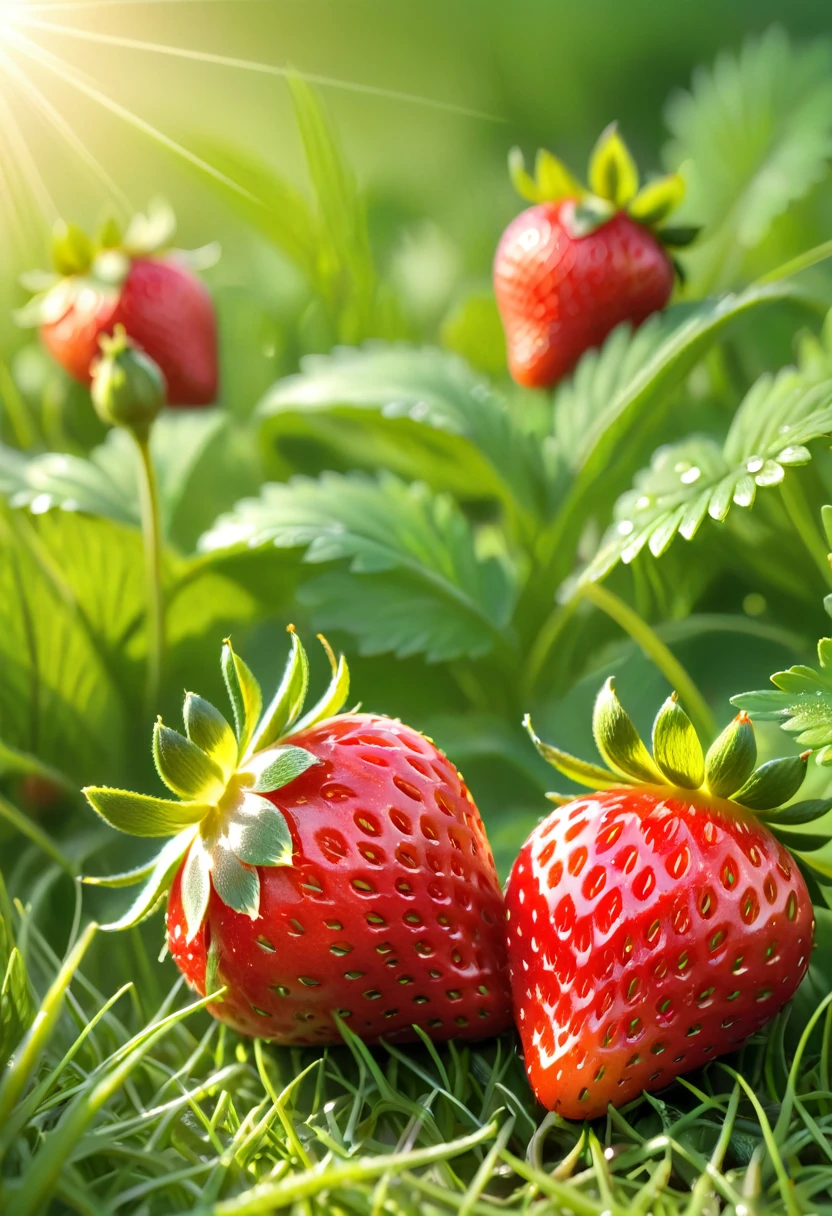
102,261
222,822
728,771
613,186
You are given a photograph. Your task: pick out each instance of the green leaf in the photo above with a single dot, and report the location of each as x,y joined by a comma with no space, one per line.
676,747
142,815
185,768
579,771
612,171
16,1013
106,483
208,729
731,757
427,414
67,589
160,876
438,596
773,783
618,741
237,886
694,479
269,204
277,766
343,224
195,890
801,702
244,694
655,201
618,396
259,835
334,698
288,700
753,134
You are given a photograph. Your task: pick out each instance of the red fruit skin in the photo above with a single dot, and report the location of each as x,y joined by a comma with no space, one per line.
647,934
425,944
165,309
559,295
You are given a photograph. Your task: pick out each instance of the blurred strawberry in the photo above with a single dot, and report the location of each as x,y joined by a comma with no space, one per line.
137,281
580,262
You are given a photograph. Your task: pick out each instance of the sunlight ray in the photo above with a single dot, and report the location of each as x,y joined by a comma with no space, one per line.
25,161
249,65
52,115
67,73
65,6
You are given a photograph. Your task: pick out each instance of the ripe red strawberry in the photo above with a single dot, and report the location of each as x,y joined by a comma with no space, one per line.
575,265
652,927
163,306
346,871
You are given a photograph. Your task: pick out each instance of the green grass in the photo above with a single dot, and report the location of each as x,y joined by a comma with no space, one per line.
131,1099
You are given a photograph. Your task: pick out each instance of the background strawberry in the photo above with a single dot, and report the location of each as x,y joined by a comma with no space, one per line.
135,281
346,873
575,265
653,927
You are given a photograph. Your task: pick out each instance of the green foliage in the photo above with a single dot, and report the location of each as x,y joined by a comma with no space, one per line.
438,595
800,702
753,135
437,419
697,478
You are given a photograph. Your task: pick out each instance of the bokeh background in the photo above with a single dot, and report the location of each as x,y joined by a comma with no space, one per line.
483,75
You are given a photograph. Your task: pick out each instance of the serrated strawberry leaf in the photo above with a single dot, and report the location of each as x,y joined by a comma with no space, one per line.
438,596
752,135
698,478
801,702
419,412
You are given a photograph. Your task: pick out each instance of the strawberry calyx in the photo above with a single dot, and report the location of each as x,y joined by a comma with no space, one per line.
613,186
678,766
101,263
222,824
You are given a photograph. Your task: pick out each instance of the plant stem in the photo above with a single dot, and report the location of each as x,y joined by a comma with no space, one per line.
803,261
800,513
655,649
152,538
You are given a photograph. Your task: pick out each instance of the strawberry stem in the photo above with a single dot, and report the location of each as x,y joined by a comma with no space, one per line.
655,649
151,536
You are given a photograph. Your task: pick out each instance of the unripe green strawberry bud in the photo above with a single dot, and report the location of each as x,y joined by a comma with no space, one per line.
128,388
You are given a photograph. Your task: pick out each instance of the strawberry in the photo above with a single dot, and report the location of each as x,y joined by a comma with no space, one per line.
657,923
577,263
331,866
135,282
